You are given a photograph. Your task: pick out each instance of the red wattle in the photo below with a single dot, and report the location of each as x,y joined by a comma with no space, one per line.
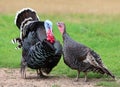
50,37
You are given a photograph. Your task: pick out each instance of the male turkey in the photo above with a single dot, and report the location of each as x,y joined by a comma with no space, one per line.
80,57
40,49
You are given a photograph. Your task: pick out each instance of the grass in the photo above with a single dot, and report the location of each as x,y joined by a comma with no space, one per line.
9,56
99,32
108,84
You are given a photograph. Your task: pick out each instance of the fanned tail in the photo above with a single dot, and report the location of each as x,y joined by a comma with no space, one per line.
24,16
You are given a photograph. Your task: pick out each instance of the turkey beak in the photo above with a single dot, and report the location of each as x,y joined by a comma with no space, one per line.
58,24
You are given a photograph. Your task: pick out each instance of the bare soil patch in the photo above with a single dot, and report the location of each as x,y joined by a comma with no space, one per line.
12,78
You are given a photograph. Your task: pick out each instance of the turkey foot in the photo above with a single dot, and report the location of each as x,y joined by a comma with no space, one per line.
77,78
40,74
85,77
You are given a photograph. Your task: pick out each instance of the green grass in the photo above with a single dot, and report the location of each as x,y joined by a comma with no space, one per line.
99,32
108,84
9,57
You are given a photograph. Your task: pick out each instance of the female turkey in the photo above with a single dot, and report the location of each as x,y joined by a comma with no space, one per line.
80,57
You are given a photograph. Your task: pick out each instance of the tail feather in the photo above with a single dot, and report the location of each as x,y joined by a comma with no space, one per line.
96,61
25,15
18,41
106,71
102,70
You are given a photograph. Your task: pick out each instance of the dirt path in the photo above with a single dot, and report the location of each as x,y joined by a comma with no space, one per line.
11,78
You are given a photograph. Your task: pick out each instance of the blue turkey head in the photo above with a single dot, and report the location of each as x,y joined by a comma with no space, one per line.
48,28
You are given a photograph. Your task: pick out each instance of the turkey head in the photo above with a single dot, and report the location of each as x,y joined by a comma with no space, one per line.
61,27
48,28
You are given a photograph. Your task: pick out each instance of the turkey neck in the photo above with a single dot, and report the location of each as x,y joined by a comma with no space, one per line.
66,38
65,34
